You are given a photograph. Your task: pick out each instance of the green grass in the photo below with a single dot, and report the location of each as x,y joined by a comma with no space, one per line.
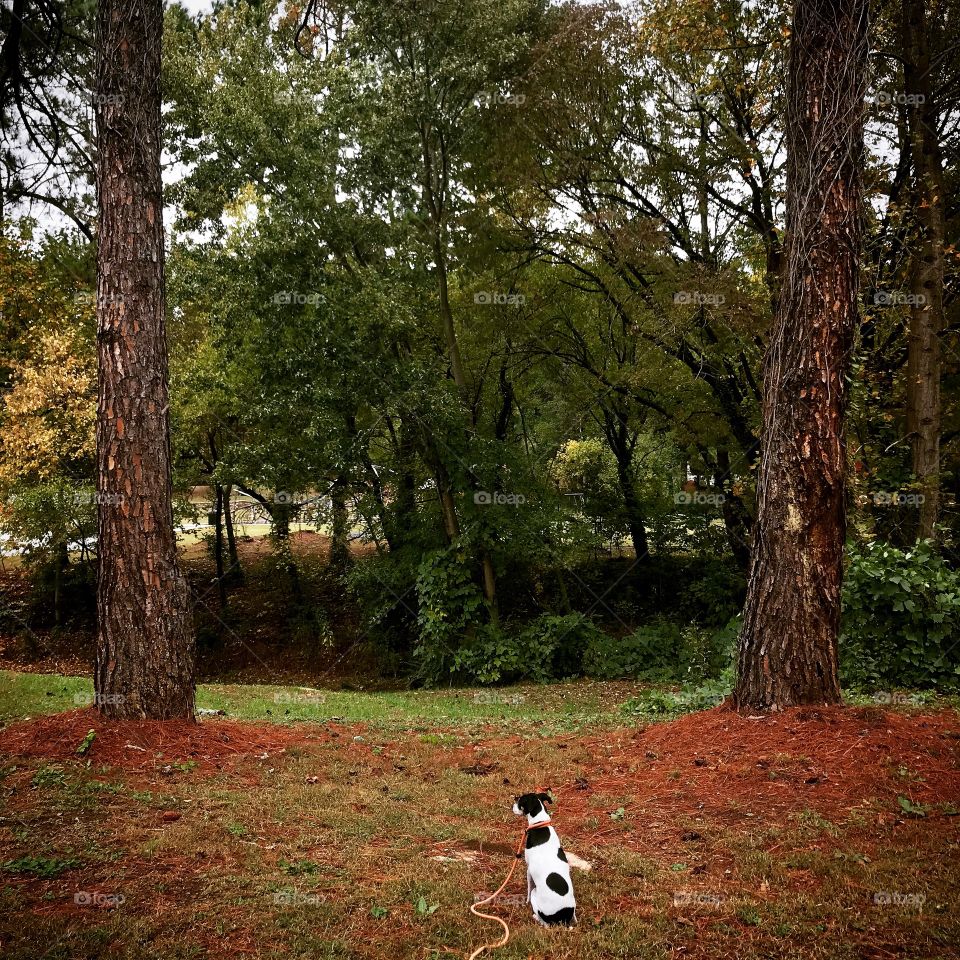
559,706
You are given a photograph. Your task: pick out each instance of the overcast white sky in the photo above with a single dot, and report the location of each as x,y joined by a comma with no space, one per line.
197,6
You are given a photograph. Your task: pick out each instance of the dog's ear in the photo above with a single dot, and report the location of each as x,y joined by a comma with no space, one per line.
546,797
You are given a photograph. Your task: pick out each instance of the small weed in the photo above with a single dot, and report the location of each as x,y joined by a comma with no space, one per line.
45,867
49,776
912,809
426,909
299,868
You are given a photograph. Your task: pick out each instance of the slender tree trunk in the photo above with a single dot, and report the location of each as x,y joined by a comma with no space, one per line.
622,446
376,485
926,272
635,518
436,185
235,572
339,542
280,511
405,502
736,516
218,546
145,650
788,646
61,563
703,200
218,523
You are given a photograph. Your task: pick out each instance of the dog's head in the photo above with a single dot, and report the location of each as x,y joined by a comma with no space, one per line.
532,804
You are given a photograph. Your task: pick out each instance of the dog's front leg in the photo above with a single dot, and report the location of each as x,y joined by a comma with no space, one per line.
529,886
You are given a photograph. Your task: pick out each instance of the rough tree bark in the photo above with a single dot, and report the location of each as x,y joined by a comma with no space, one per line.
788,645
926,271
144,662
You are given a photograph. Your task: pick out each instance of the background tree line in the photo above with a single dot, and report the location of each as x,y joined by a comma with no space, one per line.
491,283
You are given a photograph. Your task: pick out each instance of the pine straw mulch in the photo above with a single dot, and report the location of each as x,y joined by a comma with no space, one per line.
717,764
706,773
731,768
707,763
135,744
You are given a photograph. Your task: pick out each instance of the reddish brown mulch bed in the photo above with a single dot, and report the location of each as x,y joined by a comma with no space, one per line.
717,763
139,743
730,766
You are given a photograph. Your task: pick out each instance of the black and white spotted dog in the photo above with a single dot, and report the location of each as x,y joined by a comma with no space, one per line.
549,887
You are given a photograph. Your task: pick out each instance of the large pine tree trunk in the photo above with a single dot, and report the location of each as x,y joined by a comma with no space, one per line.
144,662
788,645
926,273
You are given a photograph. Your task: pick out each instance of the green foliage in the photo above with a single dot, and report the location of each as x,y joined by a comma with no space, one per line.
321,200
650,653
310,629
548,648
491,656
49,776
912,809
450,607
384,589
662,651
44,867
560,642
44,517
901,618
425,909
665,704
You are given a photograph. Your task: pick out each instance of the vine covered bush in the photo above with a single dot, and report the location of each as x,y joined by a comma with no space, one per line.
901,618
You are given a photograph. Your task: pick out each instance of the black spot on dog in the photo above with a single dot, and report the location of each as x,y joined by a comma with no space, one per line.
557,884
537,835
561,854
565,916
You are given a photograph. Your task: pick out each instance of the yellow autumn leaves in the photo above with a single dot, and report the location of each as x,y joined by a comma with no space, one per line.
47,418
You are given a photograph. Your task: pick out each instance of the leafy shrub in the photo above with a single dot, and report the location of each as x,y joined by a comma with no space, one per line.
489,657
48,521
450,606
713,594
662,651
382,586
651,652
549,648
901,619
668,704
684,589
310,629
560,642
